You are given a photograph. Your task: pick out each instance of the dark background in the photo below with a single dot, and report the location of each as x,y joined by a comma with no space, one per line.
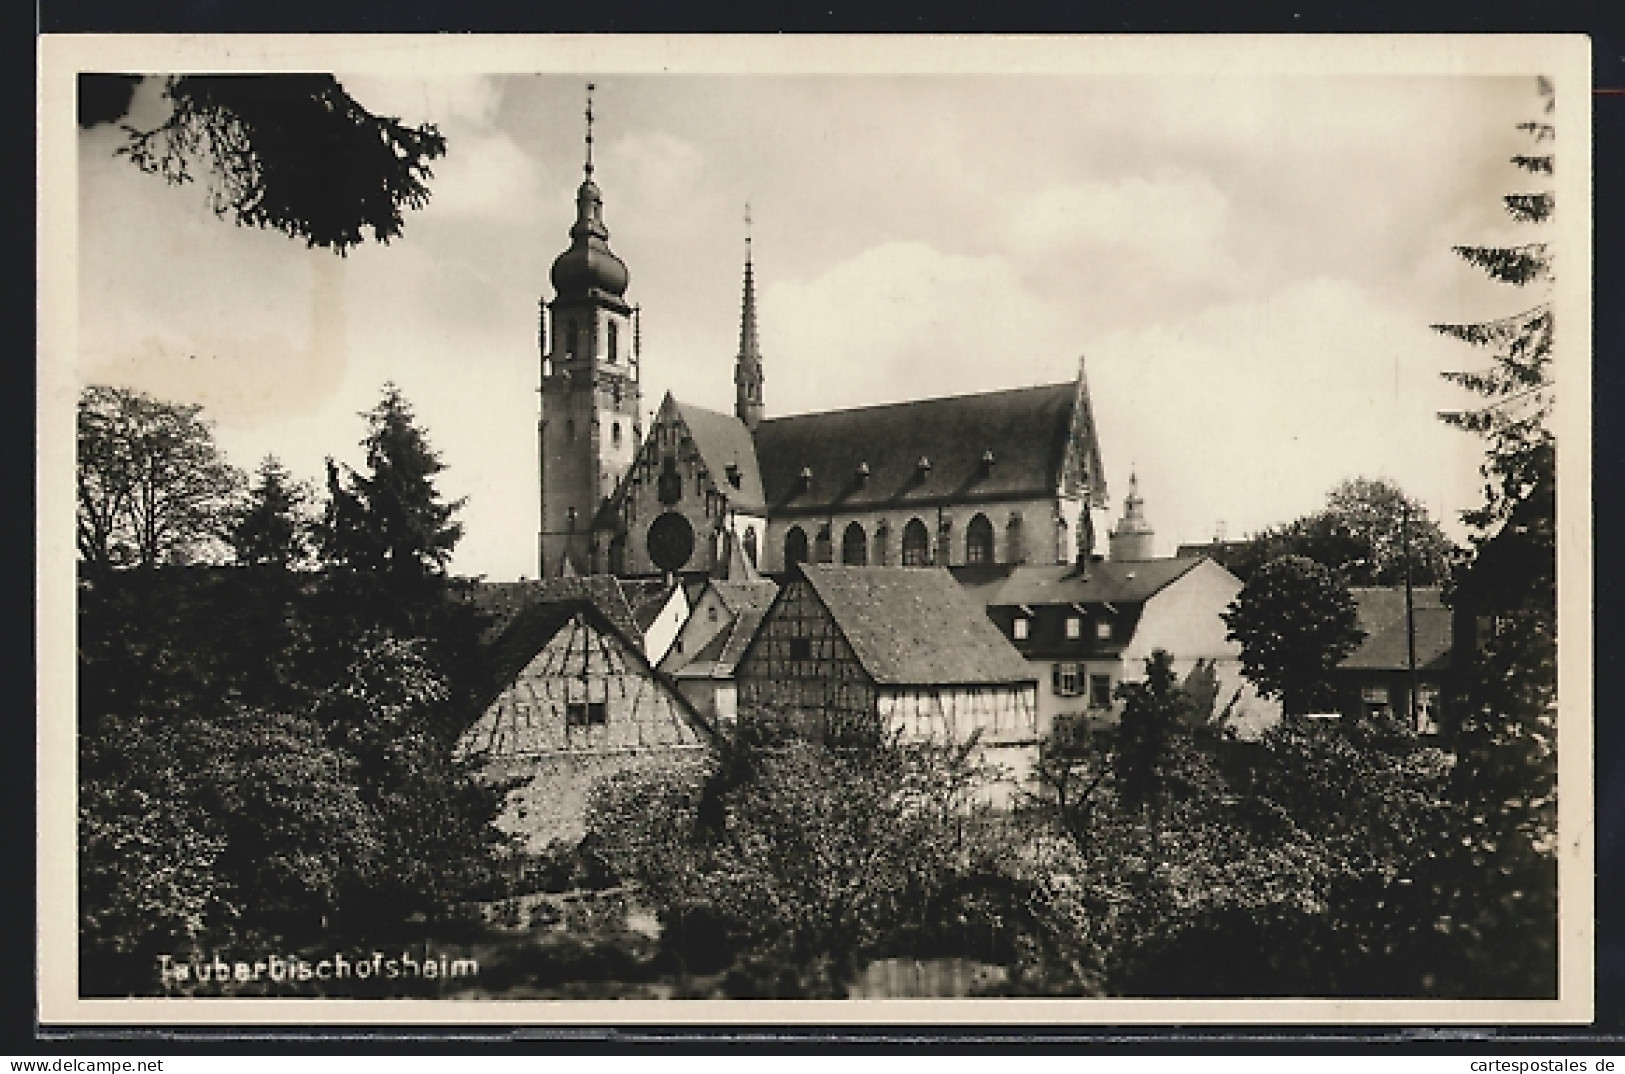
1603,20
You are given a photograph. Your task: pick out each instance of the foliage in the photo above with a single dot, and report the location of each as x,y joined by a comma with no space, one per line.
274,528
1516,386
291,152
391,520
1295,623
1362,533
794,863
152,486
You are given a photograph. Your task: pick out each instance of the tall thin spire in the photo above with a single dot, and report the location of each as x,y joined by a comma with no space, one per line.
748,366
588,169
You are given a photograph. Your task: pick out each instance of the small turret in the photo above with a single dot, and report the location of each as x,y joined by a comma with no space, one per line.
1133,537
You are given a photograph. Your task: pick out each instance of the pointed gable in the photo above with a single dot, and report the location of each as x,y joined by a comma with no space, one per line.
722,441
563,678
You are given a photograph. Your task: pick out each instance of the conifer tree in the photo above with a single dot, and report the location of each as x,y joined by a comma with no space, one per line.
1496,878
273,530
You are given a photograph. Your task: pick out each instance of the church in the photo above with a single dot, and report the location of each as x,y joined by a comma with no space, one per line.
1003,477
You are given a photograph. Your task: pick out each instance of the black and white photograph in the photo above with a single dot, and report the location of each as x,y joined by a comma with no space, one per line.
908,528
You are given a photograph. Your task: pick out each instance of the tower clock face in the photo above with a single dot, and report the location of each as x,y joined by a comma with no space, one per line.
670,540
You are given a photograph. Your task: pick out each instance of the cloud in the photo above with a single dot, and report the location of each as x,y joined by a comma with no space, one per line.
1249,411
905,320
442,100
1170,224
484,175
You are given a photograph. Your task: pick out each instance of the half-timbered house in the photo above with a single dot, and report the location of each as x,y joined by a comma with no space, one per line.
861,652
707,650
570,700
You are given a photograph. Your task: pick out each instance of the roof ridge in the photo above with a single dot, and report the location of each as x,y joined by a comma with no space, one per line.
1068,385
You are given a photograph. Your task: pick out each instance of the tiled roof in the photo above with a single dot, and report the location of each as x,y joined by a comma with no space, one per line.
739,596
647,597
531,629
504,600
723,440
719,656
1028,430
1387,643
1060,583
915,626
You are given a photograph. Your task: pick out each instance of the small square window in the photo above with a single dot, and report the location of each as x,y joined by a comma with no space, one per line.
575,714
1103,630
597,713
711,613
1074,628
800,648
1019,629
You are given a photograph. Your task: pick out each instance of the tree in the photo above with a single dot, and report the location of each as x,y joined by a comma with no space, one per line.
391,520
273,528
1362,533
152,485
290,152
1497,877
1295,622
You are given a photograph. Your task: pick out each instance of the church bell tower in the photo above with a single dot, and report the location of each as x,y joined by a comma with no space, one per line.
589,429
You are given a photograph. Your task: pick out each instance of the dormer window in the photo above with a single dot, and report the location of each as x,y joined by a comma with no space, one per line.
863,474
987,462
1021,628
1074,628
806,478
922,469
1103,630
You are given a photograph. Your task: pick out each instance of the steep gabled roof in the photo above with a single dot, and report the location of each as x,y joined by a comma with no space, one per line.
647,597
531,628
740,596
1387,642
502,601
915,626
722,441
1060,583
718,657
1029,432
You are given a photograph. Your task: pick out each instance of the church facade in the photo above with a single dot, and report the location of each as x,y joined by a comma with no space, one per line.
1003,477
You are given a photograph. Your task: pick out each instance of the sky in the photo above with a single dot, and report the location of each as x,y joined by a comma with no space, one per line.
1246,264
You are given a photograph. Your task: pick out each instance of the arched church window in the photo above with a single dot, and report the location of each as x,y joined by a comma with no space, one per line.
979,540
1062,552
613,340
615,433
916,544
795,547
854,546
823,550
750,545
1015,552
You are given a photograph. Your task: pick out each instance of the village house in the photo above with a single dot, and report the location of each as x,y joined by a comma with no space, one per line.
701,660
1088,626
569,701
1377,676
868,651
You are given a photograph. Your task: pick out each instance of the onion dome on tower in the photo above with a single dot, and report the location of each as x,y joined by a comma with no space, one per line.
588,269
